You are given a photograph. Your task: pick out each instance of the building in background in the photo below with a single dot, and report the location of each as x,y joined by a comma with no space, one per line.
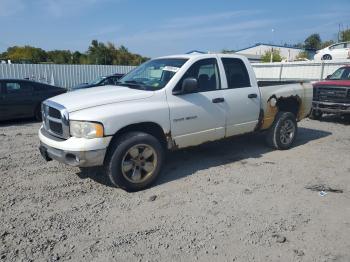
251,58
287,52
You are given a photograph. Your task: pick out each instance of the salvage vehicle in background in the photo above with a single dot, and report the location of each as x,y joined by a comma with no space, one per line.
101,81
332,95
168,103
336,51
22,98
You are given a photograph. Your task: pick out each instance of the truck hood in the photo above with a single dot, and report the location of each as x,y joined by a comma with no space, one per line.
97,96
333,83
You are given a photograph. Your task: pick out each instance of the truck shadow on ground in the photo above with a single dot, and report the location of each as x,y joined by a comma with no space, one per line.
183,163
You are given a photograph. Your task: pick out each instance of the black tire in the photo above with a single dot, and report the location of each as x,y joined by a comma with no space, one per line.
37,113
278,140
117,153
327,57
315,115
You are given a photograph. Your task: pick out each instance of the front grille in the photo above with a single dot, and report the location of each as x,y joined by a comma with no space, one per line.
332,94
56,127
55,119
54,113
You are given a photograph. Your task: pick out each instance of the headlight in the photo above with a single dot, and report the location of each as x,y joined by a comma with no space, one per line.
85,129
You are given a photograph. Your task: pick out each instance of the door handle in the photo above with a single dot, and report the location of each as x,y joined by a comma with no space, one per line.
252,96
218,100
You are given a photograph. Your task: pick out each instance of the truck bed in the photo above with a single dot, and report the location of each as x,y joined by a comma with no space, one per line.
297,95
263,83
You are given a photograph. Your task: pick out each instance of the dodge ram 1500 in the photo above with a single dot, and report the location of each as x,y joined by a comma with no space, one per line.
168,103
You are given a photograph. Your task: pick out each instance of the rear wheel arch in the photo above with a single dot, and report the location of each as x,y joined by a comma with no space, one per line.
289,104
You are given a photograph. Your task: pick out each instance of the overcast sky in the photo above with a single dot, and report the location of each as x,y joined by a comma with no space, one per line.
153,28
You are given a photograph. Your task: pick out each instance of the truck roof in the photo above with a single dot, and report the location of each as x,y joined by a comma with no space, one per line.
188,56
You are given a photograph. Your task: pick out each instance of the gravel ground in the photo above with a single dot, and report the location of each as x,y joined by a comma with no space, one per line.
234,200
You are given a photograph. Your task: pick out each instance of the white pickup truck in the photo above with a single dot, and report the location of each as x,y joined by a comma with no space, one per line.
168,103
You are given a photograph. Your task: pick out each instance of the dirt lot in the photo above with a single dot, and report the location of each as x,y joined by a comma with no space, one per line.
234,200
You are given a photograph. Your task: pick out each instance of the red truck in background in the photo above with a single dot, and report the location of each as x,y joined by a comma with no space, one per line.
332,95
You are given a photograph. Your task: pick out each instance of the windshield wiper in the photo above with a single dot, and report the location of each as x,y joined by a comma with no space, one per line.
133,84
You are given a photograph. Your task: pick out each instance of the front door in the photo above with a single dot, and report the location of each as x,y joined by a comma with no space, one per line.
200,116
17,99
340,51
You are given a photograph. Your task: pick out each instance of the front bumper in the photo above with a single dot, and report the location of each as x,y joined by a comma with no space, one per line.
73,158
329,107
78,152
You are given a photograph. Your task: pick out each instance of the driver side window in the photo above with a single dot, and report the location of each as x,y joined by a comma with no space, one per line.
207,74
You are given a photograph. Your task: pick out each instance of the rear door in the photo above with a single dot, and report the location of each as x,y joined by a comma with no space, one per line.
242,97
200,116
17,99
2,104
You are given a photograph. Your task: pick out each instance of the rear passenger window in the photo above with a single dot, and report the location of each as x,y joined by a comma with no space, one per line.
17,88
207,74
236,73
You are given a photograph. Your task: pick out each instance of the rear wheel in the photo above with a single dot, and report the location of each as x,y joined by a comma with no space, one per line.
327,57
37,113
134,161
281,135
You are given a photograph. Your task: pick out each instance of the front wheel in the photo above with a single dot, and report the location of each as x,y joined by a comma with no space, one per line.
37,113
134,161
315,114
281,135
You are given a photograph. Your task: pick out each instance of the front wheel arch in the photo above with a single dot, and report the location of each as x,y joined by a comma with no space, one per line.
151,128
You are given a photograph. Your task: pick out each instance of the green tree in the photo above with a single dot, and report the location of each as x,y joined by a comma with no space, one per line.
302,55
26,54
313,42
276,56
327,43
97,53
59,56
345,35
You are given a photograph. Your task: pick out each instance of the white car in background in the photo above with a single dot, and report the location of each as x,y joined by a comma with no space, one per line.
336,51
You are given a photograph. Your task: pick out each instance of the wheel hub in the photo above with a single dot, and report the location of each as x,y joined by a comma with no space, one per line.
287,132
139,163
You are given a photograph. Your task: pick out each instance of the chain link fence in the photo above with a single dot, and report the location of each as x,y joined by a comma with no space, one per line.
60,75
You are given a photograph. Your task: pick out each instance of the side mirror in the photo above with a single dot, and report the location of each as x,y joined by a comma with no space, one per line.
189,85
328,77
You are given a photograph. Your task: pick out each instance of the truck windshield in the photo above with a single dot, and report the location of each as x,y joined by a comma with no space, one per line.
341,74
154,74
97,80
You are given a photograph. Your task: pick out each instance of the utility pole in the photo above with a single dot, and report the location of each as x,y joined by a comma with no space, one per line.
271,57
